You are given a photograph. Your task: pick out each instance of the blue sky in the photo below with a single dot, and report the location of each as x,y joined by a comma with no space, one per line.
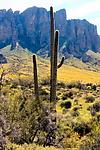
81,9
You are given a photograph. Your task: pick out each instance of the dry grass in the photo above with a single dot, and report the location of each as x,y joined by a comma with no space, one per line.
69,74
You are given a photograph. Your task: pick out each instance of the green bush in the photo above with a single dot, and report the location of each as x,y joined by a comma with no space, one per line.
94,87
96,106
90,99
66,104
82,128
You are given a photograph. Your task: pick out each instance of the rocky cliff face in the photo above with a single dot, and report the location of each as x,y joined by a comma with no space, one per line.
31,30
80,36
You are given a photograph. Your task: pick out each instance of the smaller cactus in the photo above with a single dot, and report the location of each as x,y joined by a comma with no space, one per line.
36,88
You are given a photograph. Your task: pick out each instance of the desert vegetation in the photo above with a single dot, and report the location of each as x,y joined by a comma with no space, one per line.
25,121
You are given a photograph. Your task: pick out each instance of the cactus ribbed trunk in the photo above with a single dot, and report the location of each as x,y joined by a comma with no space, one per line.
51,50
54,78
36,88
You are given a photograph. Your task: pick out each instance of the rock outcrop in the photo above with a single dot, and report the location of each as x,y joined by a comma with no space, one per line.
3,60
31,30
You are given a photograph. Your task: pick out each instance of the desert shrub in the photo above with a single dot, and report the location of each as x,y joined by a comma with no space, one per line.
43,92
82,128
22,82
64,97
11,146
88,84
76,102
90,99
71,141
94,87
68,94
92,111
91,143
77,108
61,85
26,83
71,85
77,84
66,104
14,84
75,113
96,106
45,82
98,117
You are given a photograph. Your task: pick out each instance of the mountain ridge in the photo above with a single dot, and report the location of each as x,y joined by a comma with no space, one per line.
31,30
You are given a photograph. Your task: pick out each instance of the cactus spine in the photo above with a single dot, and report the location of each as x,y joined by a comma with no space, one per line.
36,88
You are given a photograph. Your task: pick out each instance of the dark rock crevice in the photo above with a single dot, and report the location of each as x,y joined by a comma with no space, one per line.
3,60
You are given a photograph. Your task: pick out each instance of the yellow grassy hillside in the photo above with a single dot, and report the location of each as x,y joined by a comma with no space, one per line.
69,73
65,73
23,68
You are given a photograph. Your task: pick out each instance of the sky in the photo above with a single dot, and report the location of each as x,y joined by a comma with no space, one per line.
75,9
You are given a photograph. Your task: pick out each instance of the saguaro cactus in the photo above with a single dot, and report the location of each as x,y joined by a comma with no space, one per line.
36,88
54,66
54,42
51,50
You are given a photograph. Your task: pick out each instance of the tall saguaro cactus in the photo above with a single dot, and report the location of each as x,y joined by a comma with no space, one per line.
54,42
54,45
54,77
51,50
36,88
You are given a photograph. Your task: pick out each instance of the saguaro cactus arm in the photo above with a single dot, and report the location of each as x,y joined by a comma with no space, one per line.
61,62
36,89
